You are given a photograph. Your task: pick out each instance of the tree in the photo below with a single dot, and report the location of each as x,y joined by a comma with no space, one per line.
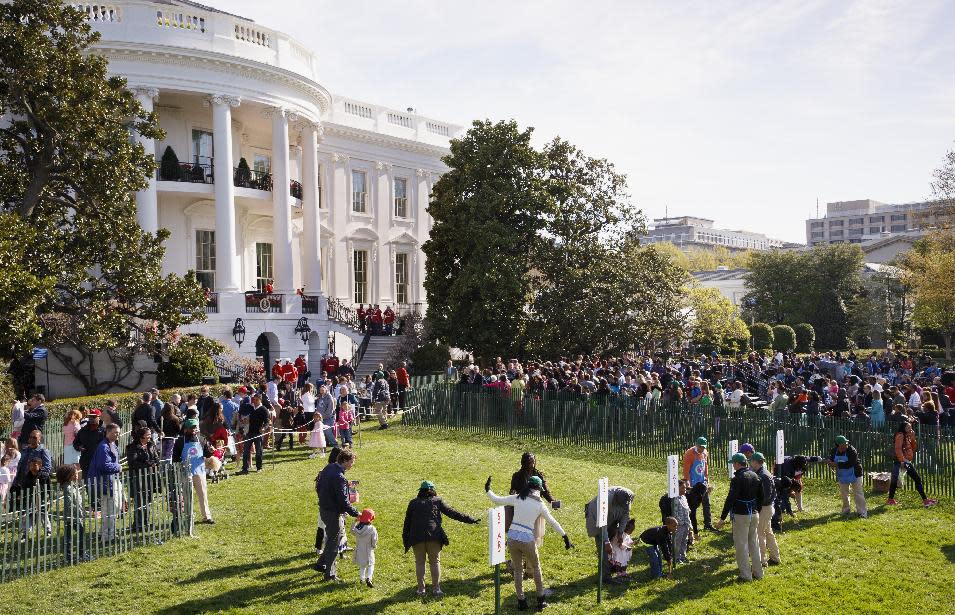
775,281
88,278
714,322
805,337
943,189
784,338
190,361
928,268
169,168
762,335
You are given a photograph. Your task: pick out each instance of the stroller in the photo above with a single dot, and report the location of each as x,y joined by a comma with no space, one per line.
215,464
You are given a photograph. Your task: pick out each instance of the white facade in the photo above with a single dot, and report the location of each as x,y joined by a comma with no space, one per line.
691,231
335,199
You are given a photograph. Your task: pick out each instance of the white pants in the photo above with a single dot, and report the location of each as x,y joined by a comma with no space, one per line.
768,548
858,495
202,492
367,571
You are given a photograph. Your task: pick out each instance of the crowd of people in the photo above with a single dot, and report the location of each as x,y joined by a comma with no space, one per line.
375,320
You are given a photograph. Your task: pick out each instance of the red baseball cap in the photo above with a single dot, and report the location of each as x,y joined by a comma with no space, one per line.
94,412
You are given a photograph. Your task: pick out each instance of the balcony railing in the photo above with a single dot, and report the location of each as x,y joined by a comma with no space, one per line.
212,303
343,314
310,304
251,178
263,302
295,189
190,172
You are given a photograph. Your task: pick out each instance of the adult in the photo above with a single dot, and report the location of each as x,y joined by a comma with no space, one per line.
191,453
332,504
743,502
88,438
258,427
204,403
171,430
404,381
422,532
34,449
301,369
768,547
381,397
346,370
71,426
619,503
145,412
794,468
34,417
103,478
229,406
155,401
845,459
142,456
696,471
904,447
325,409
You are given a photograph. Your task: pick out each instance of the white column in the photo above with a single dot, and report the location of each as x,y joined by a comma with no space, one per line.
311,235
147,205
421,234
338,210
383,270
227,262
281,206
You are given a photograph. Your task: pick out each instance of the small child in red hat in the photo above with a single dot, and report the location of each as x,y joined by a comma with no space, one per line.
366,539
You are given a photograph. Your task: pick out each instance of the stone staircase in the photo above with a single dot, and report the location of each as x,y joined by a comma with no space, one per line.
378,350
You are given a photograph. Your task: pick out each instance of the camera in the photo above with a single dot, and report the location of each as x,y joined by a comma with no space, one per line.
555,504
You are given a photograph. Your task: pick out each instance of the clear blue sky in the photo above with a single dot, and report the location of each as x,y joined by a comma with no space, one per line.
745,112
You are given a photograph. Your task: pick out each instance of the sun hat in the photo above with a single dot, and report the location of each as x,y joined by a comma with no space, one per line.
427,484
701,441
739,458
366,516
842,440
758,457
747,448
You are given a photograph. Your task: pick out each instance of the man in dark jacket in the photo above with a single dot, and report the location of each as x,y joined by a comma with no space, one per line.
743,501
34,450
144,412
88,438
258,427
34,417
332,504
768,548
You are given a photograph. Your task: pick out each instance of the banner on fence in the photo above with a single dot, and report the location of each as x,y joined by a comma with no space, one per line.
673,476
602,502
497,552
734,448
780,446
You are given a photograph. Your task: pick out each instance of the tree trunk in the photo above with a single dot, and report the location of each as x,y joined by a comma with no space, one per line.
948,346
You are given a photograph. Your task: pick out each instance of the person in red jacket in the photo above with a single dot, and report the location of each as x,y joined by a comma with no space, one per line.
361,317
301,366
277,370
401,376
289,373
389,320
376,320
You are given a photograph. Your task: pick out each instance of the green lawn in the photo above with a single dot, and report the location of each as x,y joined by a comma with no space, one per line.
258,556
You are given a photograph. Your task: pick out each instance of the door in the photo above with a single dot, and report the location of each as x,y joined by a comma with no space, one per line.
262,352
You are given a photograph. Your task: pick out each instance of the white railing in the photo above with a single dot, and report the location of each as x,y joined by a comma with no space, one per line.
254,35
360,110
400,119
100,12
182,21
439,129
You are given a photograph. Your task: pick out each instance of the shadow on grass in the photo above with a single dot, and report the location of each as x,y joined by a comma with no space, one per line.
470,588
949,552
225,572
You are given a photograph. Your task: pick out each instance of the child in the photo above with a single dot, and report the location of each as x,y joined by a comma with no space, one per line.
366,539
346,418
67,477
8,467
622,550
659,549
681,512
316,440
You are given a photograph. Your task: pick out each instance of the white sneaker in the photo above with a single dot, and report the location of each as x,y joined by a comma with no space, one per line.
548,592
313,456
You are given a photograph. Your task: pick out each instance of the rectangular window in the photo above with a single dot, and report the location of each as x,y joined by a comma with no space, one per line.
897,217
401,197
261,163
856,220
202,147
874,219
818,235
206,259
898,228
835,233
817,224
875,230
835,223
401,278
263,265
360,267
358,192
855,232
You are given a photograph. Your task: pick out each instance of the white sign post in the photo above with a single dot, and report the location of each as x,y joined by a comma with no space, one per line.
603,488
602,503
673,476
780,447
734,448
496,548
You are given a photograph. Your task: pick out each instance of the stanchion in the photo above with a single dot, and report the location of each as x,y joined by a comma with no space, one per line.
496,550
603,488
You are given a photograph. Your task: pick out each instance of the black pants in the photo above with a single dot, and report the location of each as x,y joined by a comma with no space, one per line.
910,470
281,438
332,521
256,442
707,519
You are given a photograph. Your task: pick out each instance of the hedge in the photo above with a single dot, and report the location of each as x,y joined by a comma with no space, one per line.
762,336
805,337
784,338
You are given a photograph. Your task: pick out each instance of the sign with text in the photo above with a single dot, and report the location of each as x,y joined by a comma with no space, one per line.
673,476
734,448
497,549
603,486
780,447
39,353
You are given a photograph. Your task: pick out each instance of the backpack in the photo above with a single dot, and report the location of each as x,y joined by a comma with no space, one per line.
380,391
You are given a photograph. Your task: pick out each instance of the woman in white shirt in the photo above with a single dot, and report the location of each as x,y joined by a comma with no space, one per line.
528,506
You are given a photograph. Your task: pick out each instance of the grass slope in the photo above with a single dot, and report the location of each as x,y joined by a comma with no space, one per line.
258,556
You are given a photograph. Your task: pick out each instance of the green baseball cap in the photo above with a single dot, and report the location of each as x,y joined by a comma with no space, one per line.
427,484
701,441
739,458
535,481
190,423
842,440
758,457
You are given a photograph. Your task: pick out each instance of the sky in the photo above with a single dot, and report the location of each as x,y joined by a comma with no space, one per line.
743,112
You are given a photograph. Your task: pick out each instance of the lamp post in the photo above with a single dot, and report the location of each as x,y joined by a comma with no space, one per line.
238,331
303,329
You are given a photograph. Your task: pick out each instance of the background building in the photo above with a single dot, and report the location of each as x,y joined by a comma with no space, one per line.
867,220
266,175
690,231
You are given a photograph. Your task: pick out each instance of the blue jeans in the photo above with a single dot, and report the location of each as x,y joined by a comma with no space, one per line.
330,436
656,563
345,435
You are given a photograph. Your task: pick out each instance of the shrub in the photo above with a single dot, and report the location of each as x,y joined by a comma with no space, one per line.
169,169
762,336
784,338
430,358
190,360
805,337
243,174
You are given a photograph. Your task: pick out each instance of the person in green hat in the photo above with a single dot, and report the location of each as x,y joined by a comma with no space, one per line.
696,471
423,533
743,502
845,459
768,547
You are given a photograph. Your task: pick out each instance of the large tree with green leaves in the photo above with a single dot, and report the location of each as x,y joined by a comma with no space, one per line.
927,269
714,321
75,264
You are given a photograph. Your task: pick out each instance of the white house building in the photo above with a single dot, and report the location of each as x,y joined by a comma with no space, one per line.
277,179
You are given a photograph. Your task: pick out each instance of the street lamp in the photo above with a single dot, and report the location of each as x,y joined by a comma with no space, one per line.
303,329
238,331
